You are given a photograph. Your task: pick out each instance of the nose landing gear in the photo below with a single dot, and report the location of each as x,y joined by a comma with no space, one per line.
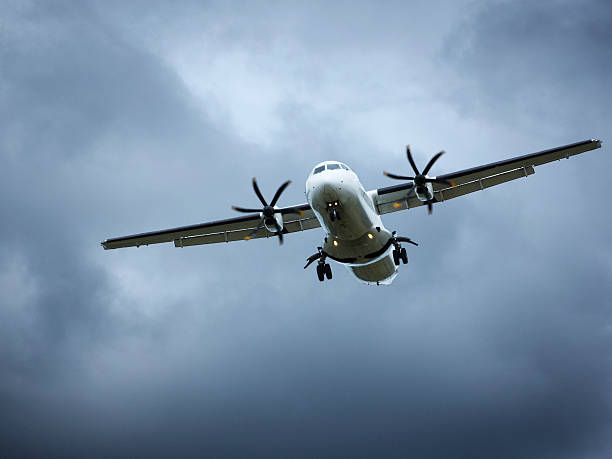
334,210
323,268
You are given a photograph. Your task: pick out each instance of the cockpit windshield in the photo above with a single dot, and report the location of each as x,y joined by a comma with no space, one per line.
329,166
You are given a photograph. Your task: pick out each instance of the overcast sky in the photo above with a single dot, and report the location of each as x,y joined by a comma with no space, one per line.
494,341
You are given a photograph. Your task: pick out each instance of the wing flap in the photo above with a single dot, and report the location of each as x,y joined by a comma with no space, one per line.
228,230
394,198
392,202
532,159
477,185
239,235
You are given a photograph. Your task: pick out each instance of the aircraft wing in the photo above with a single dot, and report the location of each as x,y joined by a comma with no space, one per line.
393,198
232,229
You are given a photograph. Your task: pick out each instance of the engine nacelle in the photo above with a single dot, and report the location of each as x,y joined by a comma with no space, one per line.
269,223
424,192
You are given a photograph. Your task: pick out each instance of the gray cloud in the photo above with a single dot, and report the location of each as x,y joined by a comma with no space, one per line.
494,341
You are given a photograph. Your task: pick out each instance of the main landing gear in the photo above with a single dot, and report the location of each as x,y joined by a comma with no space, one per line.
323,268
399,252
323,271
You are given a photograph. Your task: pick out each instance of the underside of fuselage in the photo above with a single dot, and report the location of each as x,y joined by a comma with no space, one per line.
355,235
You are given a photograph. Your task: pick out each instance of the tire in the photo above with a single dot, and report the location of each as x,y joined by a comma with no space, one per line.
396,257
404,255
321,272
328,272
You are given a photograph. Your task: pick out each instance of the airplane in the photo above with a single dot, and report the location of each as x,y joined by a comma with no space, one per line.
351,216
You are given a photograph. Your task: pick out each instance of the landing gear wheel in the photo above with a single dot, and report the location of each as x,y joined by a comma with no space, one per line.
396,257
328,272
404,255
321,272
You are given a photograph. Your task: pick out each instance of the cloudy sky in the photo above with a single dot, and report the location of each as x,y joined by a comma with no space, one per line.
494,341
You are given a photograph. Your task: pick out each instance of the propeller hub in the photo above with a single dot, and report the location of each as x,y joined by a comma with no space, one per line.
268,211
420,179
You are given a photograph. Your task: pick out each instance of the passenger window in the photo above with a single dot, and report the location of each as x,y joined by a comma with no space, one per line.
333,166
318,169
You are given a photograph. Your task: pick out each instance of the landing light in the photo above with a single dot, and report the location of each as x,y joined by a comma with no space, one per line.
370,235
335,243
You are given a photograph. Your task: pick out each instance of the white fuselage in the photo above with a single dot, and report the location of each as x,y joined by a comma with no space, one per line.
355,236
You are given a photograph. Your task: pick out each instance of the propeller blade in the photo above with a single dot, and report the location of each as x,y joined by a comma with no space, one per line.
246,211
412,163
406,239
279,232
279,192
258,193
257,228
397,177
432,161
429,207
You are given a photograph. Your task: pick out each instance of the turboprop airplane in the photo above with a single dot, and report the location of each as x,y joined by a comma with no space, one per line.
351,216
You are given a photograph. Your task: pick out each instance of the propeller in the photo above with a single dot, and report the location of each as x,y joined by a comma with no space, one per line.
268,211
421,178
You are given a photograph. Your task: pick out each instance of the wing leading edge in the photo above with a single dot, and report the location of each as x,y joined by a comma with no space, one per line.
232,229
393,198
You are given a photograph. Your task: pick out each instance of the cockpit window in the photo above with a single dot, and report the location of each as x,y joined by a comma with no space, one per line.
344,167
333,166
318,169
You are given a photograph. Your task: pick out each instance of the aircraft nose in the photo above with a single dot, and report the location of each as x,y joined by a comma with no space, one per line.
325,190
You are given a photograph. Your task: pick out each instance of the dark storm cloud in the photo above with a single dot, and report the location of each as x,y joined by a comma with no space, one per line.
546,61
495,341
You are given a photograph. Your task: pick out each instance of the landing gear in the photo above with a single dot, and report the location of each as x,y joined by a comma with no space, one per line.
396,257
404,255
328,272
333,208
321,272
323,268
399,252
400,255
